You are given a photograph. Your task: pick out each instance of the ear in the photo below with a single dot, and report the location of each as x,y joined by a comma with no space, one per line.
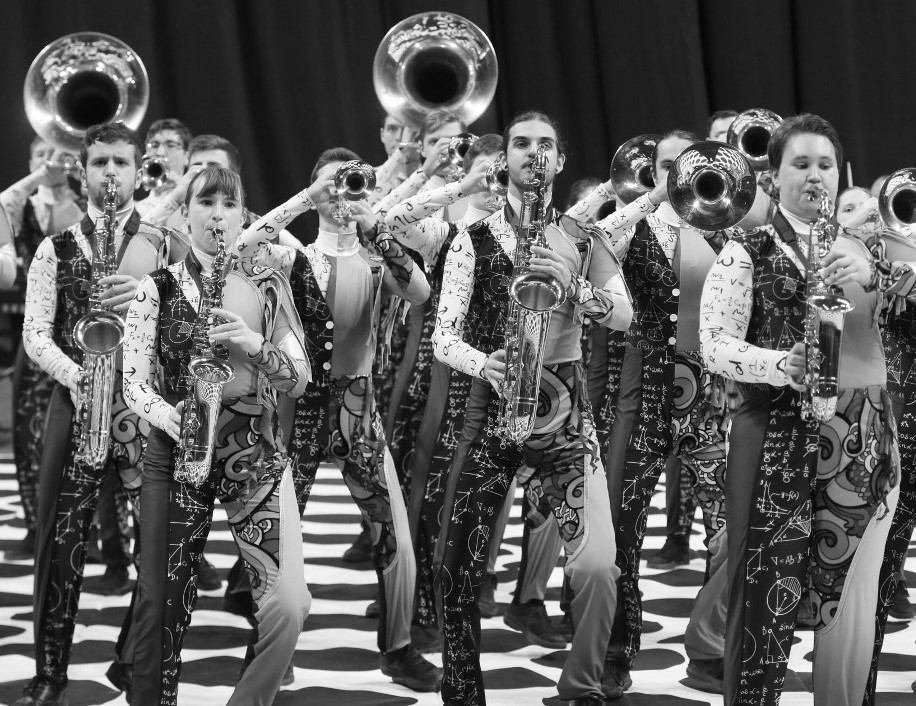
138,179
561,160
84,184
184,211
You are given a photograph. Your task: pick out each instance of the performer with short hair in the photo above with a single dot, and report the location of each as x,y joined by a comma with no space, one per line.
561,455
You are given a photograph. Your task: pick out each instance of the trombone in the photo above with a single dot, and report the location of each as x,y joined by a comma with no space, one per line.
631,167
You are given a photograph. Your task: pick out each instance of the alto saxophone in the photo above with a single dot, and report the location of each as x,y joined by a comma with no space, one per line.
208,372
532,296
99,335
824,317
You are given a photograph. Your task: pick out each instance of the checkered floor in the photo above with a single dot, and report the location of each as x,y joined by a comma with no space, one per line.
336,662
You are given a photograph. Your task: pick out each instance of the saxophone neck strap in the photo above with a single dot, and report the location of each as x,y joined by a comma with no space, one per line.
131,226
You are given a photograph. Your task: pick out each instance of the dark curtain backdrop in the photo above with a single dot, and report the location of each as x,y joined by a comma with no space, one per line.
284,79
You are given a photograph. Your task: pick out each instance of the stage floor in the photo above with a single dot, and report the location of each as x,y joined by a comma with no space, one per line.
336,659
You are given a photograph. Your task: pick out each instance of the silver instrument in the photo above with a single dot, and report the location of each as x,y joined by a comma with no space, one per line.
458,147
897,202
81,80
750,133
208,372
99,335
497,179
631,167
435,61
154,172
353,181
711,186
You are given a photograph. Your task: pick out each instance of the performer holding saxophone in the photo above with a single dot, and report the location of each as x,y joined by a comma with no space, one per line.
79,281
568,265
337,285
223,339
765,322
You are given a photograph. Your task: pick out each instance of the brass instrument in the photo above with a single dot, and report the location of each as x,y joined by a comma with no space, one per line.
435,61
897,202
81,80
631,167
458,147
750,133
99,335
824,318
711,186
66,162
208,372
353,181
532,296
497,179
154,172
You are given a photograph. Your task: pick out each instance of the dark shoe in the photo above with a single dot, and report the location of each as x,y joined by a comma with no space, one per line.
120,676
361,549
373,610
590,700
23,549
426,639
563,624
615,681
806,619
207,577
901,608
675,552
531,620
41,692
409,668
487,604
705,675
239,603
114,582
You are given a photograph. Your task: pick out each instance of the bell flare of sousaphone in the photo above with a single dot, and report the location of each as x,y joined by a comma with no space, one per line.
80,80
631,167
435,61
711,186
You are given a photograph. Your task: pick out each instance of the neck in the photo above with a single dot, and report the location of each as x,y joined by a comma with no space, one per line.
337,243
204,258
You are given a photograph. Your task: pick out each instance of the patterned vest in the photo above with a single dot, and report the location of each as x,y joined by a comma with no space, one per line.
174,344
486,318
652,282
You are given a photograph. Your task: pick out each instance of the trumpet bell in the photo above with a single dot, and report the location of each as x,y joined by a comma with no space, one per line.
897,202
435,61
631,167
154,172
355,180
711,186
81,80
750,134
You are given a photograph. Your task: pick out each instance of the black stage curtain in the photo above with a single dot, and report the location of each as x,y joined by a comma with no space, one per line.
284,79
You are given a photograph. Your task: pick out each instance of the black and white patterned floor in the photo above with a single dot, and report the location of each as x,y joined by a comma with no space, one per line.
336,661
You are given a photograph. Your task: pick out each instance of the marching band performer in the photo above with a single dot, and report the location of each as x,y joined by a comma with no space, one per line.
782,494
190,309
565,477
59,293
337,285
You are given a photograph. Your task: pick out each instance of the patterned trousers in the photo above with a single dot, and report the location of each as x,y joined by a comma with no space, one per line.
567,482
663,407
68,495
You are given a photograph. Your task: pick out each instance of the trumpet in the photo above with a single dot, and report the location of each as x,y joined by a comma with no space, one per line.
631,167
154,172
897,202
458,147
66,162
353,181
497,180
711,186
750,133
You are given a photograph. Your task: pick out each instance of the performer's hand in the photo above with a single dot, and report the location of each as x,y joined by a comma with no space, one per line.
362,213
120,293
438,157
475,180
862,221
321,189
180,192
795,367
548,262
173,423
840,268
236,331
659,193
75,389
494,370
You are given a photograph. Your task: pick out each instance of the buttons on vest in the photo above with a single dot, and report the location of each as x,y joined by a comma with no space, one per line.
673,317
672,341
676,292
329,324
328,345
326,366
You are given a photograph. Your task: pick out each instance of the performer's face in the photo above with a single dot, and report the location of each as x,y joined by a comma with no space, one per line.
206,212
209,158
168,145
431,138
116,161
849,201
808,165
524,139
666,152
391,134
327,203
719,129
42,153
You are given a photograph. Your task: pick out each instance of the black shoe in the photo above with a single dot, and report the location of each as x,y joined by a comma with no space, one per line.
531,620
806,619
114,582
41,692
675,552
426,639
409,668
901,608
487,604
120,676
373,610
590,700
23,549
706,675
361,549
239,603
615,681
563,624
207,577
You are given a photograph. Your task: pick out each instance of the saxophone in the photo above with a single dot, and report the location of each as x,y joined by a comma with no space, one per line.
208,371
99,335
532,296
824,317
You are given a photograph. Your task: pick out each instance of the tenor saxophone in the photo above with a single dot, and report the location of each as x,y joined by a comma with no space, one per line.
532,296
208,372
99,335
824,318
